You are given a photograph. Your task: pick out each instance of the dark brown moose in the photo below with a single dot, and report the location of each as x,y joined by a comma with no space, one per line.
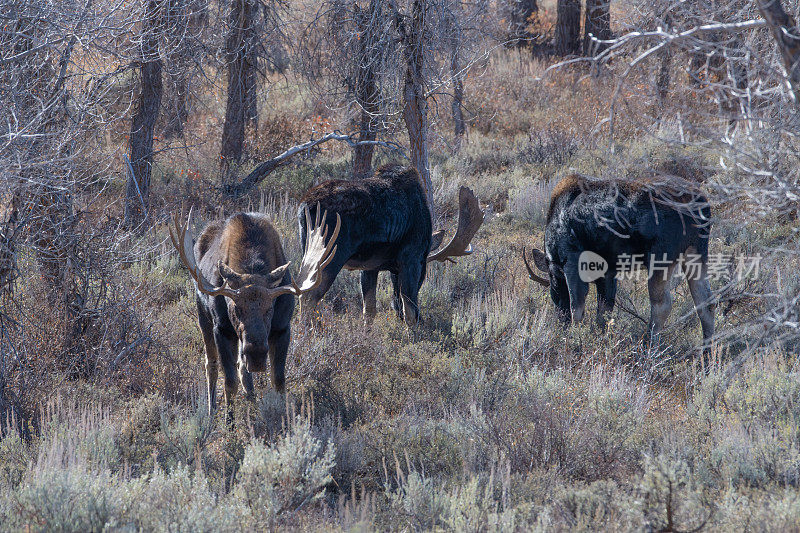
662,224
386,226
245,294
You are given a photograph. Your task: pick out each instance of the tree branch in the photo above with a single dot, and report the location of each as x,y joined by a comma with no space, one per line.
264,169
784,29
665,37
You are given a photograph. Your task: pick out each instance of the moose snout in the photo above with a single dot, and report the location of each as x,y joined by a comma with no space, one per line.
255,357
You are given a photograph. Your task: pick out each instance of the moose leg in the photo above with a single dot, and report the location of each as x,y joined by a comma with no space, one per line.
369,284
578,289
397,303
227,349
246,379
212,357
278,348
660,302
409,276
606,294
704,305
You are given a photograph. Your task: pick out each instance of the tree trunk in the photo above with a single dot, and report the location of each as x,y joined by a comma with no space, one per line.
519,13
663,79
787,37
454,21
176,108
241,105
664,76
733,100
415,106
366,87
144,120
251,94
597,23
177,65
568,27
459,126
9,210
362,154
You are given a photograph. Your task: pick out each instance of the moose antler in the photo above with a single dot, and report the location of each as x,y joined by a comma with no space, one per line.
182,241
470,218
316,256
531,274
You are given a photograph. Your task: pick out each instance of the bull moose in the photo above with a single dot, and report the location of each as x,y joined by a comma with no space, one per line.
658,225
245,294
386,226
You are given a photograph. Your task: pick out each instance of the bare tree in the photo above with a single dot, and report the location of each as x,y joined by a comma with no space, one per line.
144,120
459,124
454,25
371,49
8,259
568,27
411,29
184,21
383,61
241,61
597,26
264,168
518,15
367,22
348,55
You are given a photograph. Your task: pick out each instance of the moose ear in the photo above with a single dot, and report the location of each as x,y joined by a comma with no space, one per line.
276,276
540,259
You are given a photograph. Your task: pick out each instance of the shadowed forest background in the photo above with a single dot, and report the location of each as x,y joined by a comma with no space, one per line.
115,115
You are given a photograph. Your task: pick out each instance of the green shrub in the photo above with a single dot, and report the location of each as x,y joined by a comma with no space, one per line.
775,512
140,432
420,504
755,457
180,502
436,446
185,438
473,506
753,420
487,320
415,503
530,202
601,506
277,479
63,499
14,458
606,436
767,393
671,496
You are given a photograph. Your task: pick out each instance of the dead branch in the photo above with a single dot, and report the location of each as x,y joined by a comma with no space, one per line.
264,169
662,35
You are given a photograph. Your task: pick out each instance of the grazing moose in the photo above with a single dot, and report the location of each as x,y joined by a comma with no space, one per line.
245,295
386,225
609,223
